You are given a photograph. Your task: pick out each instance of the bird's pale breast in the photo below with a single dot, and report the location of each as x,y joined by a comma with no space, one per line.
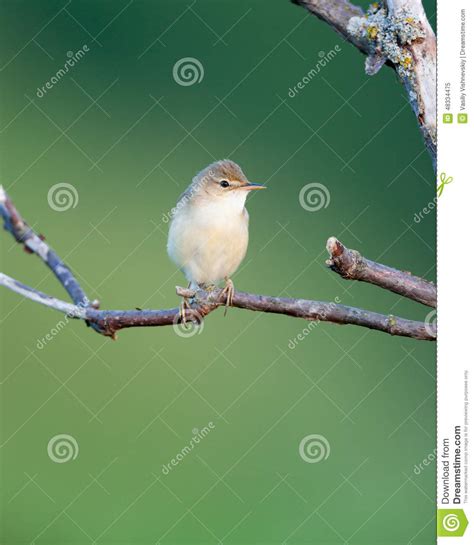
208,242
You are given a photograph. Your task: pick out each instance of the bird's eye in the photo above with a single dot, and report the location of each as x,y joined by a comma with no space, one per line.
224,183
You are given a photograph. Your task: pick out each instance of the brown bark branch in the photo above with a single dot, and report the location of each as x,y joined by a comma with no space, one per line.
108,322
351,265
35,244
396,33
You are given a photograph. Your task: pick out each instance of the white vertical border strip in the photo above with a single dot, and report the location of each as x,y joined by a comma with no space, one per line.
455,380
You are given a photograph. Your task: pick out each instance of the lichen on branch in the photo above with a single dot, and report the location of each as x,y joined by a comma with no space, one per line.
388,37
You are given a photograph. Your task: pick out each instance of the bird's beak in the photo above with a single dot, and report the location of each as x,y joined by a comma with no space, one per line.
251,187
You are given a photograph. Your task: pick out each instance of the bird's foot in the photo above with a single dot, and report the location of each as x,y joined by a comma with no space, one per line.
229,290
183,307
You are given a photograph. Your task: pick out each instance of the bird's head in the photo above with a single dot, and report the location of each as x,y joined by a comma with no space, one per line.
223,181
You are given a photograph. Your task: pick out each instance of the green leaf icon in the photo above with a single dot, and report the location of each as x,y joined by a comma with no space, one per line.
451,522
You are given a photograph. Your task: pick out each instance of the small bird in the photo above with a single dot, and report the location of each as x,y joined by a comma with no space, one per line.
208,235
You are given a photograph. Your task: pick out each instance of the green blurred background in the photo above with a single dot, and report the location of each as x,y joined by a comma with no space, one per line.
132,405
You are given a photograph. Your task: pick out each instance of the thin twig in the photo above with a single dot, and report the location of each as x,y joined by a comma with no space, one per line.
73,311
